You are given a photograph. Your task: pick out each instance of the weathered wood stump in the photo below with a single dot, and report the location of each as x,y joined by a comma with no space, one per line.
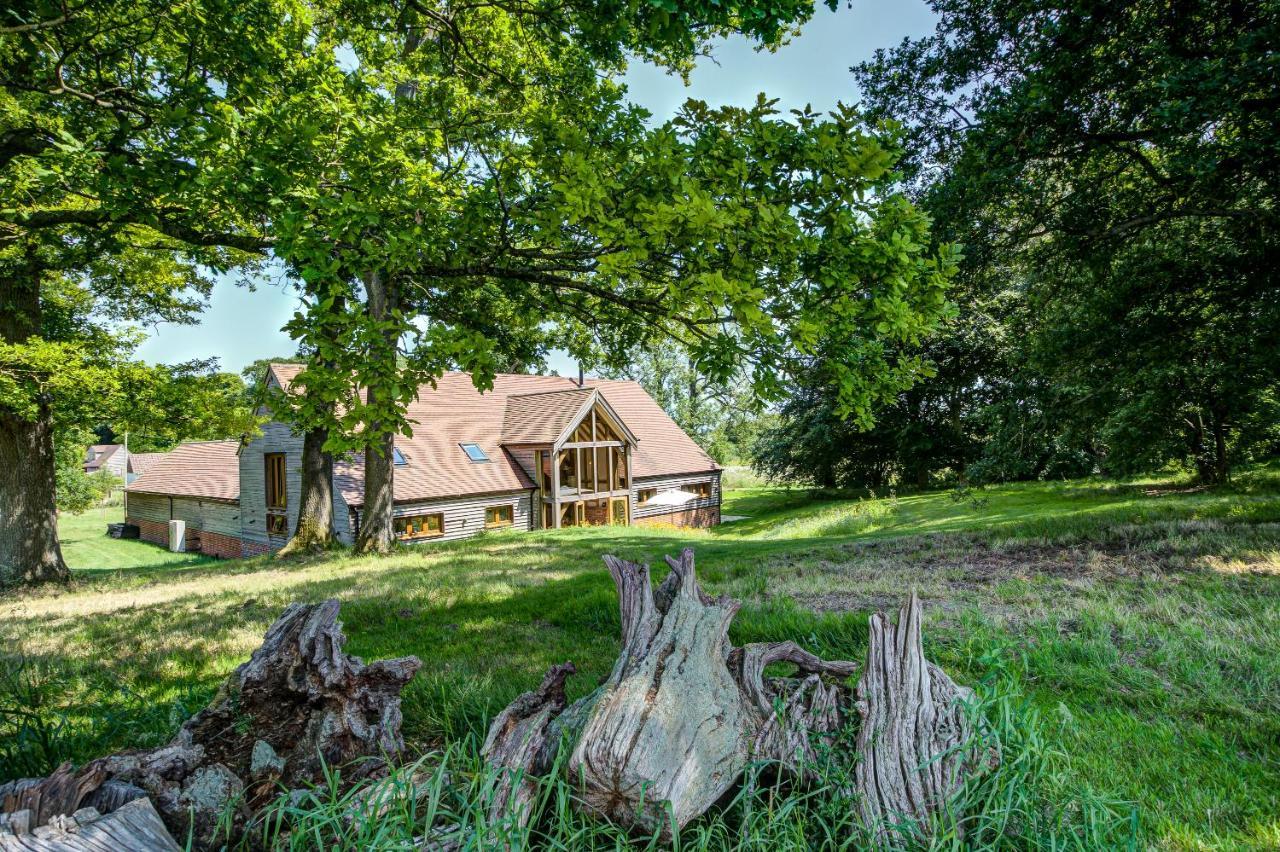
683,714
915,743
297,705
134,826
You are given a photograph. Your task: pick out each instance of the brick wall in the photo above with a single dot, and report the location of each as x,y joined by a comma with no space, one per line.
253,548
152,531
705,516
222,546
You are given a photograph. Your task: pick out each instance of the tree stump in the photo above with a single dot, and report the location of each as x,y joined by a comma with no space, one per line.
299,704
916,742
683,713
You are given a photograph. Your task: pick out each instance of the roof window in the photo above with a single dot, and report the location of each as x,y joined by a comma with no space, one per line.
398,457
474,452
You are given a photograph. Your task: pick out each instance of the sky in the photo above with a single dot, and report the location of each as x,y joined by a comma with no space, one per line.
241,325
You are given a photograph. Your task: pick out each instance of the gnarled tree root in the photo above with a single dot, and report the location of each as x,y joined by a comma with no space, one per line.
298,705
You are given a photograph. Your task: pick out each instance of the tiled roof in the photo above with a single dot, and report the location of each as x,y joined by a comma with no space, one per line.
100,454
285,373
444,417
141,462
519,409
540,418
664,448
209,469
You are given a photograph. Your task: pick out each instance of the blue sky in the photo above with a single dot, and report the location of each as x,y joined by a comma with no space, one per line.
241,325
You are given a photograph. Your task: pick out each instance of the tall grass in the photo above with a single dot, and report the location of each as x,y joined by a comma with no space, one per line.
1029,801
42,724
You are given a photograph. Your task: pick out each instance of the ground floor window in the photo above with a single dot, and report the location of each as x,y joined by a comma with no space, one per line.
419,526
277,524
499,516
618,511
702,489
644,495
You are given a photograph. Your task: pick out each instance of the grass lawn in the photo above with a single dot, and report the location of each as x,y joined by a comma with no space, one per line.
1140,619
86,547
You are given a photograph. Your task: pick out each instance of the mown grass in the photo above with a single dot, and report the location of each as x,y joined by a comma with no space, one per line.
86,547
1141,621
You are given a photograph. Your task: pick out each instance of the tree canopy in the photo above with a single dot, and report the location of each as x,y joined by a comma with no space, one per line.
1109,172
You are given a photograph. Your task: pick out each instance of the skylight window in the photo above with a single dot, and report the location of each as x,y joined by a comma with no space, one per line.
398,457
474,452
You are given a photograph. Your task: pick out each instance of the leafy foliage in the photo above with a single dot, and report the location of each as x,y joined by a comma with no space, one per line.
471,189
1104,167
724,418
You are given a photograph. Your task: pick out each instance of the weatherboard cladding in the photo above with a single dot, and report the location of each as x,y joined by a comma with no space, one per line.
673,483
277,437
154,511
464,516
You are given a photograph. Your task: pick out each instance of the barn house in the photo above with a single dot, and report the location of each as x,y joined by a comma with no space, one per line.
534,452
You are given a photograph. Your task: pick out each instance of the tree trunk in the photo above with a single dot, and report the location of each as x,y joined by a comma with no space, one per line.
377,534
314,530
680,717
1221,464
29,549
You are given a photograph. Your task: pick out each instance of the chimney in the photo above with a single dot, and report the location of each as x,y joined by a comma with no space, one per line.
581,378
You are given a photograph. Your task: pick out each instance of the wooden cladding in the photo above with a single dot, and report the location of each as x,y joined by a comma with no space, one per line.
420,526
277,484
499,516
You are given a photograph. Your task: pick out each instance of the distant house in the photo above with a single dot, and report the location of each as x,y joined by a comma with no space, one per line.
535,452
109,457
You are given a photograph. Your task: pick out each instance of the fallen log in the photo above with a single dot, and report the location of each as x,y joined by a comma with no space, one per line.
134,826
297,705
683,714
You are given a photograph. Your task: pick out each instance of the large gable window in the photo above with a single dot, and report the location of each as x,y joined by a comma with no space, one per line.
474,452
277,493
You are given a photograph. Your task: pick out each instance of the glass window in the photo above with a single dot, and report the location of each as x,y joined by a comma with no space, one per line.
702,489
618,511
419,526
398,457
499,516
568,469
644,495
474,452
277,486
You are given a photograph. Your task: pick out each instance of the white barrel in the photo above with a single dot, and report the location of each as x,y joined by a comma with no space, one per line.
178,536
